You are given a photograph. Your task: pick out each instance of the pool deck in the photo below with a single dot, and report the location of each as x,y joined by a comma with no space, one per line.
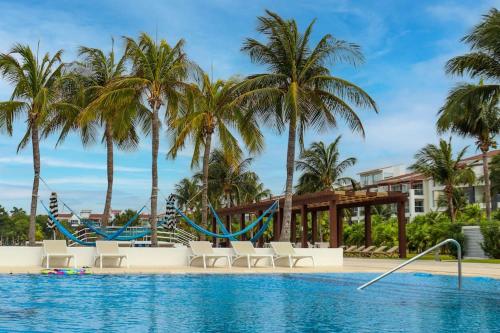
351,265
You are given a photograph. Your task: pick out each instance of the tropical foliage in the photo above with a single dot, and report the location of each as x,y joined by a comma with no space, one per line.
491,238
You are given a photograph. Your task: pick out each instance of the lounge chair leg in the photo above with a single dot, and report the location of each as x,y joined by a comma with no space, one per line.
74,260
101,261
204,262
229,261
248,260
48,260
290,260
272,262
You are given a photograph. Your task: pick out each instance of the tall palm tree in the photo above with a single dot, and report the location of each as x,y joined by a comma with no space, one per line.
299,90
438,163
484,59
158,74
468,114
321,168
91,77
209,111
36,87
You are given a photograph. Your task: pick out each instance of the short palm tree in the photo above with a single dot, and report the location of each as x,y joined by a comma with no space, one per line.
209,112
158,74
438,163
91,77
468,114
36,94
299,90
322,168
186,191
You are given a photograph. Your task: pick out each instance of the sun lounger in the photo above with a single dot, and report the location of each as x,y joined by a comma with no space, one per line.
378,251
108,249
246,251
367,251
285,250
350,249
203,250
56,249
357,250
392,252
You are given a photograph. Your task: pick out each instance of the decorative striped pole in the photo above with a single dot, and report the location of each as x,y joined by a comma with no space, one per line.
170,213
54,210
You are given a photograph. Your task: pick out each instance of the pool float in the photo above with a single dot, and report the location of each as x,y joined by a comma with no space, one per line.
65,271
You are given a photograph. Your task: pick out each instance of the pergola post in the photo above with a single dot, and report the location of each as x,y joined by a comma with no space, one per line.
340,226
314,226
276,226
332,215
242,225
214,230
293,228
401,229
280,223
261,224
368,225
228,227
303,219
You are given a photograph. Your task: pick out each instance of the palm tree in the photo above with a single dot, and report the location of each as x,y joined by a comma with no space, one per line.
209,111
298,90
91,78
185,191
233,180
484,59
158,73
36,86
321,168
438,163
468,114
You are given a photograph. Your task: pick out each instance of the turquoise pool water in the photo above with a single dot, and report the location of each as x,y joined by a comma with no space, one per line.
248,303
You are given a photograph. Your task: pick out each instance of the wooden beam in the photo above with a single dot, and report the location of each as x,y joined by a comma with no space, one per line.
275,226
368,225
332,210
314,225
260,242
303,219
228,227
401,229
280,223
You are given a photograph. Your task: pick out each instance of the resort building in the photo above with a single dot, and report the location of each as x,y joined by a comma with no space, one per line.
423,193
86,214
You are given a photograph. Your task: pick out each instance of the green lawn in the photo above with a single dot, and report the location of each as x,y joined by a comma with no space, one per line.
445,257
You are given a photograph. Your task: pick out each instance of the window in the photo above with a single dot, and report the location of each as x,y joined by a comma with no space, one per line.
418,188
419,206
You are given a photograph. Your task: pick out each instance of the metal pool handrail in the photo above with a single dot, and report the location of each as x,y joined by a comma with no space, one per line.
450,240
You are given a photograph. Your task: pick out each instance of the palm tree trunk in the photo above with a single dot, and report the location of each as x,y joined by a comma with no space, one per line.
36,182
290,164
204,193
487,186
155,136
109,157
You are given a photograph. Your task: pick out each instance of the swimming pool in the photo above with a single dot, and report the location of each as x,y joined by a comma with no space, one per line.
248,303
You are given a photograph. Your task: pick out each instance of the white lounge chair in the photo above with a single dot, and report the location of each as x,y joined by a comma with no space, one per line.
285,250
56,249
108,249
245,250
204,250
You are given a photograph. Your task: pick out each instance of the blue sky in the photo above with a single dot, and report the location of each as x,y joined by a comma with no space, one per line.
406,44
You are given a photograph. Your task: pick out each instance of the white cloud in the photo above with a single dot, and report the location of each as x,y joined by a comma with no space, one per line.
60,163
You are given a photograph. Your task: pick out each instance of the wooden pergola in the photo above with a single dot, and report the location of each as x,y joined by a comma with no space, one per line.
332,201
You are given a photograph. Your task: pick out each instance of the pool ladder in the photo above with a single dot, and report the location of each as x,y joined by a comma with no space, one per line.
450,240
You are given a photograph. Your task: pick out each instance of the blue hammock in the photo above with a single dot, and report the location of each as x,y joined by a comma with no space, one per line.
119,231
65,231
228,235
254,239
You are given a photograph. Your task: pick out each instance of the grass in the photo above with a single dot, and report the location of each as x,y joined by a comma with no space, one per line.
445,257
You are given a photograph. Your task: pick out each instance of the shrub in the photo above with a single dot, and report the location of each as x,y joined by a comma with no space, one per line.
354,234
491,236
